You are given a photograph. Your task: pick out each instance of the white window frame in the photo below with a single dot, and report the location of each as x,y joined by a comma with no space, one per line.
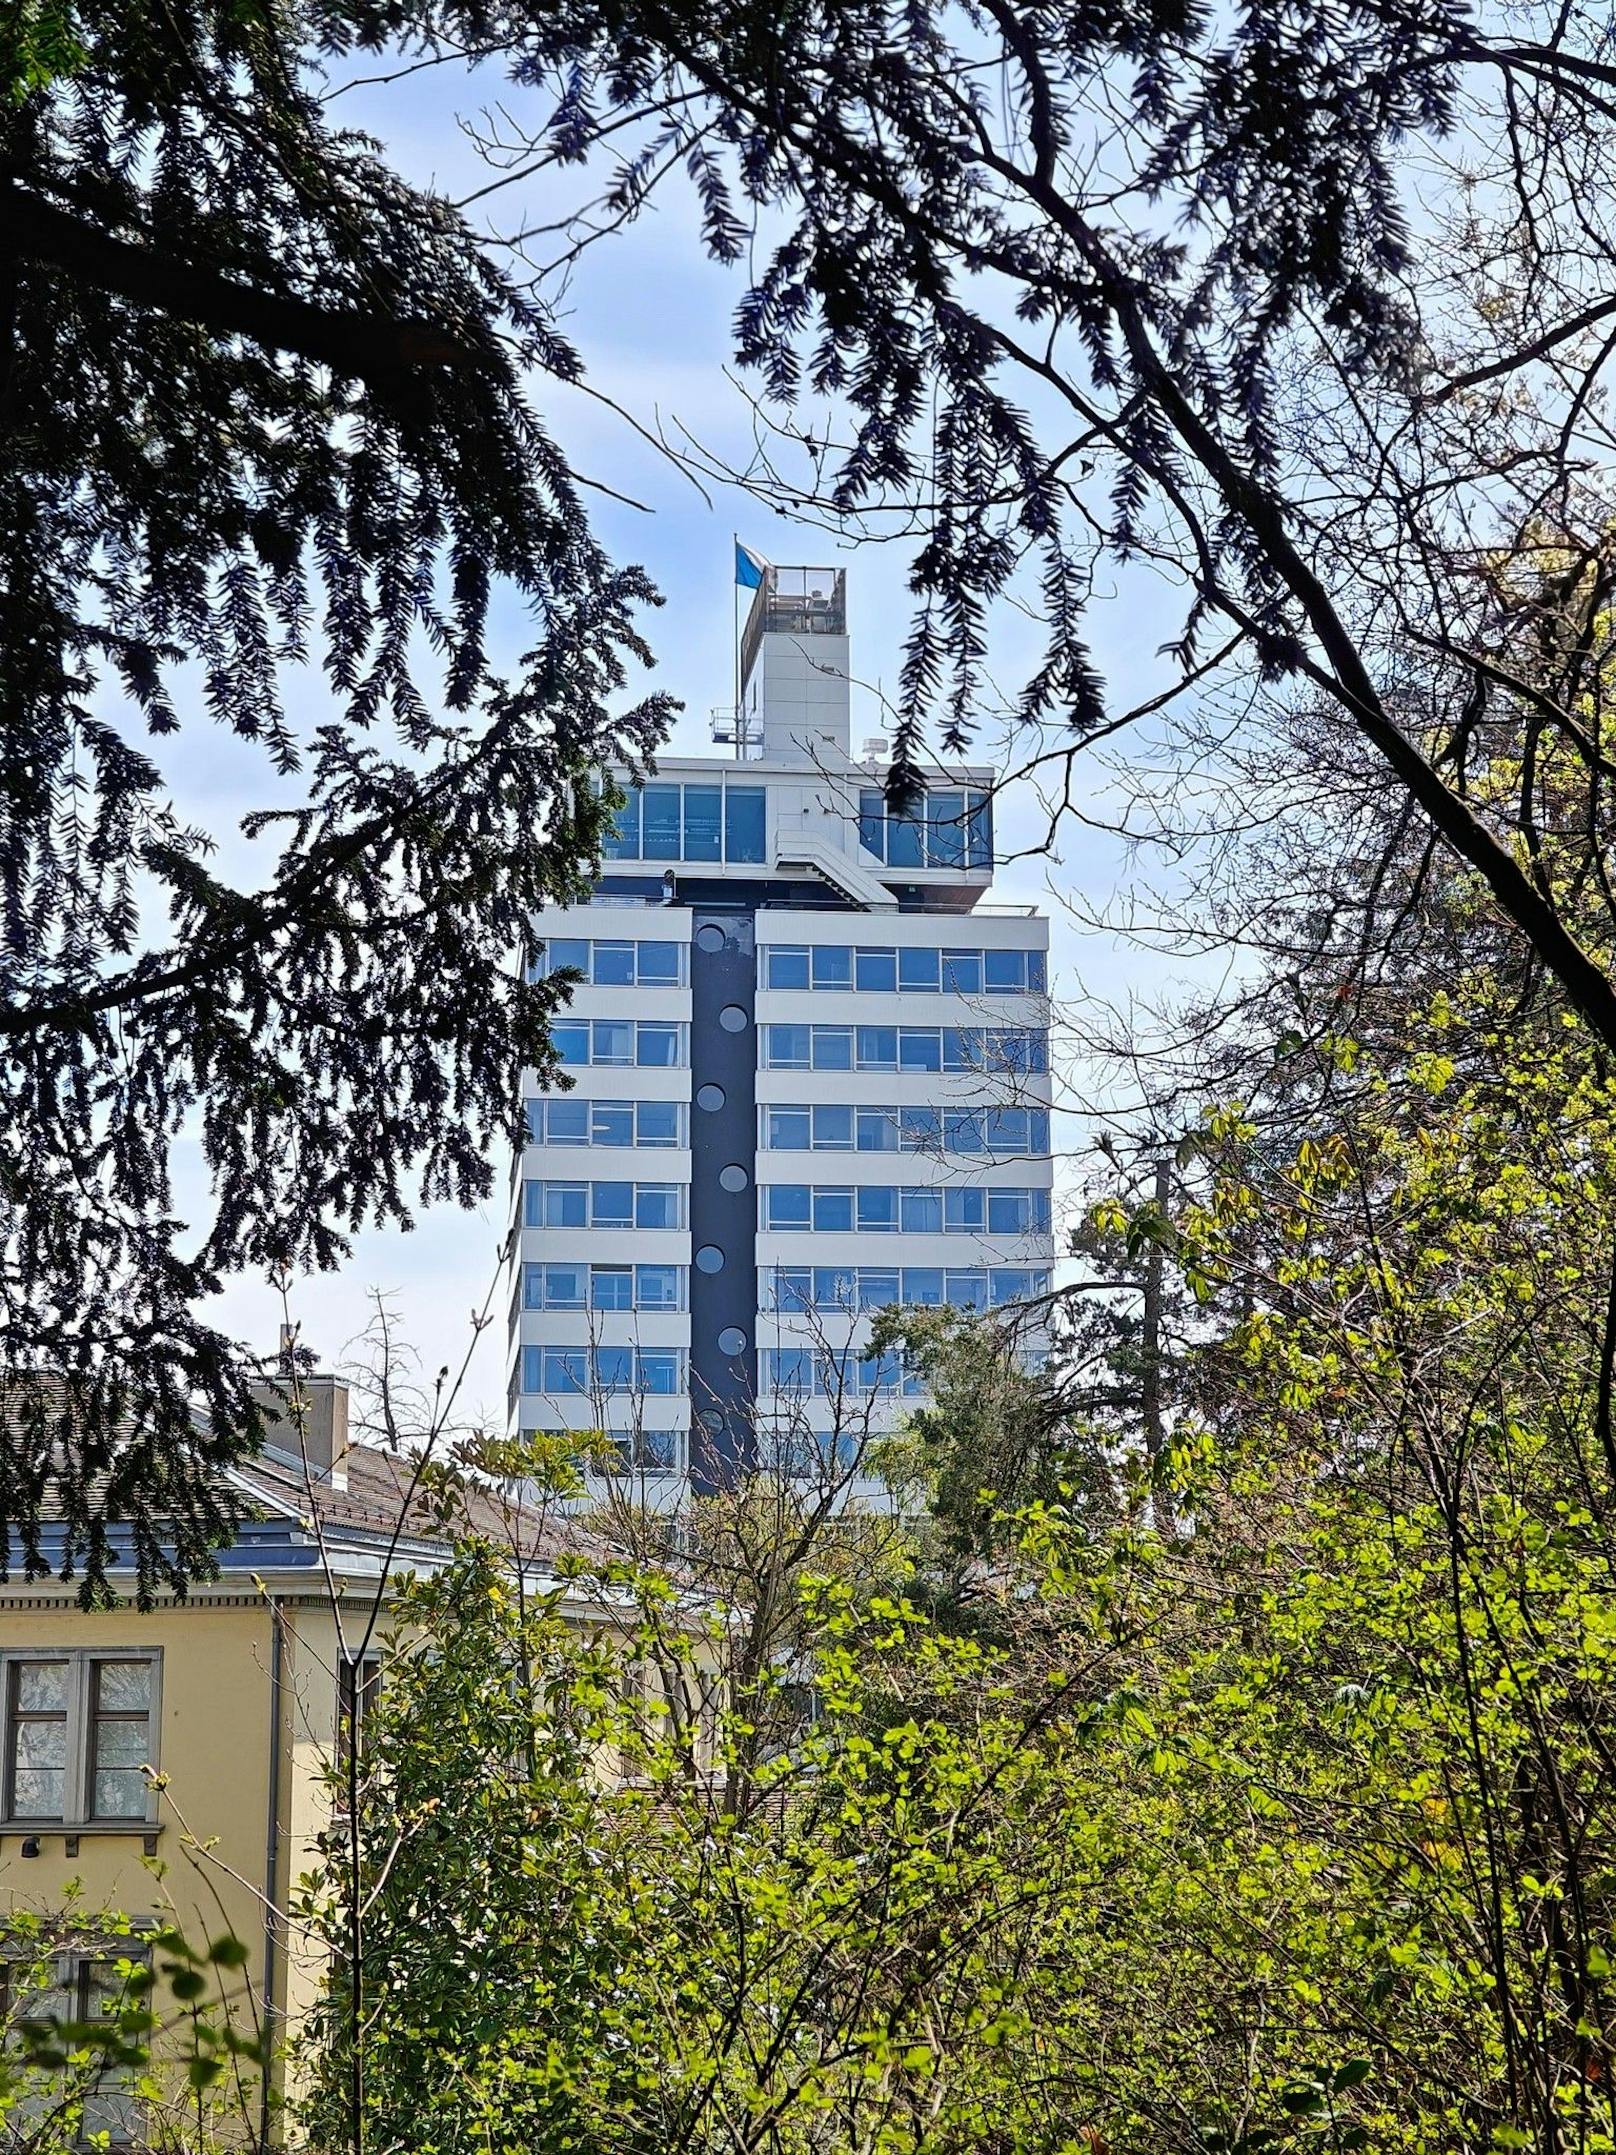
77,1785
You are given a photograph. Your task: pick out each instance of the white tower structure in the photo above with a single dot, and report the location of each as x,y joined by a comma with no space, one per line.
812,1080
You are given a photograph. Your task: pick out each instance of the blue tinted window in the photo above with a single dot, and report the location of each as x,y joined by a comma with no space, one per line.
906,842
565,1369
923,1284
567,955
1004,1129
659,1370
1009,1212
787,1047
702,839
878,1047
789,1129
785,965
832,965
872,821
533,1287
833,1210
656,1046
833,1129
612,1123
979,830
660,836
922,1212
967,1290
790,1369
614,1040
614,1368
571,1042
918,971
1037,971
877,1129
1004,971
1010,1284
878,1209
566,1122
945,829
657,1122
878,1288
622,841
833,1047
534,1110
963,1211
565,1286
962,1130
962,972
743,823
656,1204
532,1369
566,1204
1039,1130
962,1047
876,970
922,1129
835,1287
612,1204
658,965
656,1286
614,965
788,1204
919,1048
611,1287
793,1287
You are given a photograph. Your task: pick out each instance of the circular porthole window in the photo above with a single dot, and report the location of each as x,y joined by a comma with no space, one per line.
709,1258
732,1340
733,1018
709,937
732,1178
710,1097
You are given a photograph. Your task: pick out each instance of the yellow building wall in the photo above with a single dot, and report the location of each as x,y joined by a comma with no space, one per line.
212,1815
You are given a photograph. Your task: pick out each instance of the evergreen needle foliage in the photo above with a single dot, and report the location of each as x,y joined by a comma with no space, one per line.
267,458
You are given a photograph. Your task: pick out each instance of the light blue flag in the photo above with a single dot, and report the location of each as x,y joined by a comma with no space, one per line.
749,567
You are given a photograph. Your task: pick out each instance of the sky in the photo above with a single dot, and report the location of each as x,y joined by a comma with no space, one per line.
651,316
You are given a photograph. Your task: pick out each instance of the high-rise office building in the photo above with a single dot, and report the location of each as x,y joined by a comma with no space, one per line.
812,1080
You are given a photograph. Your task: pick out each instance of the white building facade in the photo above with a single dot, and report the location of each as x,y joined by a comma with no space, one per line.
811,1065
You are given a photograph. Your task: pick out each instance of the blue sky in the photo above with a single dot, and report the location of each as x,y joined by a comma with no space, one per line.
651,316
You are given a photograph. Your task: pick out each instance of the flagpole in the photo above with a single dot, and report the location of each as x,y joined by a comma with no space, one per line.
735,608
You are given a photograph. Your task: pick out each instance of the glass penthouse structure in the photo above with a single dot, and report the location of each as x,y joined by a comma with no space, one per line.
811,1075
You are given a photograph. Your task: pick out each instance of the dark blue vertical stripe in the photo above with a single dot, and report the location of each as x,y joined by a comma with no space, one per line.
722,1385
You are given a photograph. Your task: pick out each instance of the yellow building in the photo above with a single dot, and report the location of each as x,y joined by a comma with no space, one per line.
235,1699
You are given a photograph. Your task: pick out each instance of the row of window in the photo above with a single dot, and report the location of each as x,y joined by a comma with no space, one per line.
643,1043
623,1125
1015,1048
607,1287
877,969
820,1208
882,1208
812,1370
836,1128
873,1287
614,963
565,1119
947,828
707,821
881,970
78,1736
656,1372
603,1204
